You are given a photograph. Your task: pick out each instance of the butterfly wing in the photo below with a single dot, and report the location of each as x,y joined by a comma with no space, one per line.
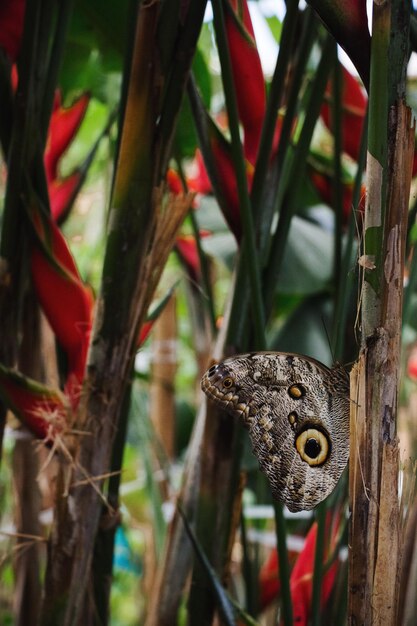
297,413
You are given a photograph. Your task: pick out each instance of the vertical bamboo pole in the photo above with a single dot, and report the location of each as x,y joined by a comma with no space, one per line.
27,592
374,555
164,366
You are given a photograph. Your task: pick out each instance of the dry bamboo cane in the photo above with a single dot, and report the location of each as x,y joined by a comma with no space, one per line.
374,543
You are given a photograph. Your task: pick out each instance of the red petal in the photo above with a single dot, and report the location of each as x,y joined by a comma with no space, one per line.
41,409
200,182
301,581
412,364
62,129
227,181
174,182
269,582
354,109
247,75
144,332
12,13
186,246
67,303
61,195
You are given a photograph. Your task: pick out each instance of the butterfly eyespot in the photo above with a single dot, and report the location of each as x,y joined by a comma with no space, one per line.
313,446
228,382
296,391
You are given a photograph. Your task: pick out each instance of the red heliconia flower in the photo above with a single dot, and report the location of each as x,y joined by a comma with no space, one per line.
348,23
174,181
186,247
412,364
63,127
151,318
64,123
354,103
12,14
301,580
199,181
226,178
62,192
66,301
269,580
247,75
144,332
40,408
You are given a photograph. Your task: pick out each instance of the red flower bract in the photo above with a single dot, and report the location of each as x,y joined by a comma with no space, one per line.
62,128
301,581
62,193
67,303
354,104
41,409
247,75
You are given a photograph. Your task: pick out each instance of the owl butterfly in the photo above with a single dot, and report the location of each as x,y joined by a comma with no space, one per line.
297,412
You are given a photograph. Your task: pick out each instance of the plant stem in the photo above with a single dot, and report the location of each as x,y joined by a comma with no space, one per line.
337,191
284,568
318,564
274,100
249,254
297,168
345,282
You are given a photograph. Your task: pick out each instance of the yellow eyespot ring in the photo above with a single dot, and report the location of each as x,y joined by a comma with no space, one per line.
228,382
296,391
313,446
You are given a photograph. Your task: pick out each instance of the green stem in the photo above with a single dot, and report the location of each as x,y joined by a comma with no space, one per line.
102,566
297,169
318,564
178,78
274,100
208,298
410,289
64,9
346,280
284,568
251,591
272,191
337,190
249,254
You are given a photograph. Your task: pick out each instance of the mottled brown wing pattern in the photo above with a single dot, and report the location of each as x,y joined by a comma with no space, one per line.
297,413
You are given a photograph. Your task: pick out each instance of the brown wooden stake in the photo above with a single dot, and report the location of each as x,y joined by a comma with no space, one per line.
164,367
25,467
374,546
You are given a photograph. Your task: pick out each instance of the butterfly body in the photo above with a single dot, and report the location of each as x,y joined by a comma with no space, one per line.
297,412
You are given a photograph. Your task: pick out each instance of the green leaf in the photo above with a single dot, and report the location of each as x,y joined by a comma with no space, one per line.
306,268
275,26
304,331
186,137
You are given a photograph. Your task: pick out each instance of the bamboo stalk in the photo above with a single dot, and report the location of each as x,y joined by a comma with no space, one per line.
142,229
374,532
164,365
249,253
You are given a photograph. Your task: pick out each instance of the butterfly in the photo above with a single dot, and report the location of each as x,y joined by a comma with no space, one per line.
297,412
